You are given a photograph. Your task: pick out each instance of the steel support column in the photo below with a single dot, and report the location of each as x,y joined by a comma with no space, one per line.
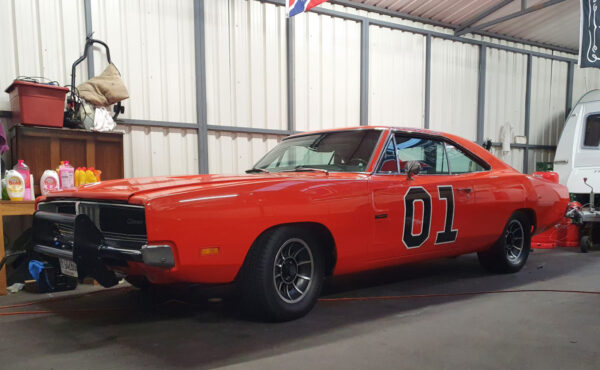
527,114
364,73
87,9
200,64
427,81
481,94
289,35
569,99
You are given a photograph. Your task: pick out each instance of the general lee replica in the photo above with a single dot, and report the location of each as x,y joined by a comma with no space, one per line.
319,204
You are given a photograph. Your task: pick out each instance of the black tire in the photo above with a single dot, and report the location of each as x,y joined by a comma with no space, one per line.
139,282
585,244
283,274
505,257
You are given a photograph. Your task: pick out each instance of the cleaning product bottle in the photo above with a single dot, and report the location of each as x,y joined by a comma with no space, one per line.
90,178
97,173
15,185
66,174
22,168
81,176
49,181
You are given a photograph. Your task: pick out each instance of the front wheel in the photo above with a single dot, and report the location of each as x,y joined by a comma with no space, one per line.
510,252
283,273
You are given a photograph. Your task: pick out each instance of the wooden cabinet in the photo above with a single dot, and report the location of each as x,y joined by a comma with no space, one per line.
43,148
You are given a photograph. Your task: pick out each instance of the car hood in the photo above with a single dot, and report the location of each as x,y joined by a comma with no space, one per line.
136,190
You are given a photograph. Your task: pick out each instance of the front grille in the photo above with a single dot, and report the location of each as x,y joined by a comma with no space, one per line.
123,226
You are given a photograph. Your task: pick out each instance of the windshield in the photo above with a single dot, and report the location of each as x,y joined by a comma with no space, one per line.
341,151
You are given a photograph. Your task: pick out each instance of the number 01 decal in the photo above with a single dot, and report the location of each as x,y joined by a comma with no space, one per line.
418,194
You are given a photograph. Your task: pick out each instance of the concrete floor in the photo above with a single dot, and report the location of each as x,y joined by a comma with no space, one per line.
508,330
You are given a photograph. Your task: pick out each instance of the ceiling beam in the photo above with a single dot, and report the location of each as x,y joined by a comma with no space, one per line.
508,17
487,12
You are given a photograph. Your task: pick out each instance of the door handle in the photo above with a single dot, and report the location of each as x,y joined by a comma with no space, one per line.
466,190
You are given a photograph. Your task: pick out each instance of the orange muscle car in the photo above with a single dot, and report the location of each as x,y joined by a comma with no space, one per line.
320,203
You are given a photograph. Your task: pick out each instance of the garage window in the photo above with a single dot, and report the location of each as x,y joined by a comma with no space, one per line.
592,131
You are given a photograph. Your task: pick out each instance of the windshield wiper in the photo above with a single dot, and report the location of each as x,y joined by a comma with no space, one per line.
257,170
302,168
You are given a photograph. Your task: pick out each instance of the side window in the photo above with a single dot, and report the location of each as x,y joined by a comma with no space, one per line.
459,162
389,164
592,131
430,153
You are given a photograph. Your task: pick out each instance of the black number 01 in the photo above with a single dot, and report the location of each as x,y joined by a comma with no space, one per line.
419,194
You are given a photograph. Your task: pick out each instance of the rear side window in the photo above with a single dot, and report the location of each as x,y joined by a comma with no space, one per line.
592,131
430,153
460,162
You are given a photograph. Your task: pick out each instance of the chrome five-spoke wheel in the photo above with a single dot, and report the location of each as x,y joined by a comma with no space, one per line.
514,240
293,270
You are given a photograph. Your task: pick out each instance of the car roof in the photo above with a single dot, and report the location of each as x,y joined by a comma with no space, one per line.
378,127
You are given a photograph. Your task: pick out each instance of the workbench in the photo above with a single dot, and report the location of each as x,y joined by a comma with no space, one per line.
10,208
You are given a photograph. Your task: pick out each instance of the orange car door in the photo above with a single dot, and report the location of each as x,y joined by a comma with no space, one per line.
417,215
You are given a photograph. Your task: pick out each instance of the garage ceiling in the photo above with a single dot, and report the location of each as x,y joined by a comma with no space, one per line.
551,22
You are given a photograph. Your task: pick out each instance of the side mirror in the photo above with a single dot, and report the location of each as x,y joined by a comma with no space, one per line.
412,168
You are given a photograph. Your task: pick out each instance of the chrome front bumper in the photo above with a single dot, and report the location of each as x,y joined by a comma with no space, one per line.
84,244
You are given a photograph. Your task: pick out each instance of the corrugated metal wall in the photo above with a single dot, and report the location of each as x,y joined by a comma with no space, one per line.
246,64
33,41
152,44
454,83
548,100
396,77
232,153
154,151
584,80
326,72
506,76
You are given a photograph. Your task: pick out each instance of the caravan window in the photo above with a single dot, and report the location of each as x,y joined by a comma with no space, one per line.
592,131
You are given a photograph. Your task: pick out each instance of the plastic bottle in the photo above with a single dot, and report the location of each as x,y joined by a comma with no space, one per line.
49,181
32,189
90,178
80,176
4,193
23,169
66,174
97,173
15,185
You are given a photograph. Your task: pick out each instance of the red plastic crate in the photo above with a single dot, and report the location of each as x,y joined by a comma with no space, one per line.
37,104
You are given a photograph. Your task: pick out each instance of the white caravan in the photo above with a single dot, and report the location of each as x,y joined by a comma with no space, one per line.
577,162
578,151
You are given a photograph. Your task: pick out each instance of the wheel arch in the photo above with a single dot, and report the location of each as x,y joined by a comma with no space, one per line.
531,216
323,234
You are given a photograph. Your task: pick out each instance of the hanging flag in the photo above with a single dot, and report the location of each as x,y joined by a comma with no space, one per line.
294,7
589,34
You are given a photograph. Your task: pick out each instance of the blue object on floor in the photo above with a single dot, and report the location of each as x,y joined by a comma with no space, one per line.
35,268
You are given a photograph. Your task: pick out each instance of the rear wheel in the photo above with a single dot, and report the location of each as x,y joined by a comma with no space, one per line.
282,275
585,244
510,252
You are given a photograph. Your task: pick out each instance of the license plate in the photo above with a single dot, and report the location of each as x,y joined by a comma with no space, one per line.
68,267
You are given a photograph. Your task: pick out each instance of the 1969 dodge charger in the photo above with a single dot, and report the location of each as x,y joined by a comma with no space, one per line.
319,204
